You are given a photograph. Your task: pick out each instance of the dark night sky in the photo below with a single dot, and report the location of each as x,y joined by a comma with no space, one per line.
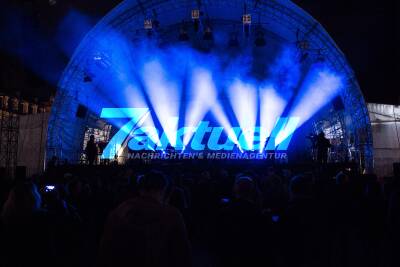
368,33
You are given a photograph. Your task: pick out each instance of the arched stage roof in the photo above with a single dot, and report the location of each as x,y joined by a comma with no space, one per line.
281,18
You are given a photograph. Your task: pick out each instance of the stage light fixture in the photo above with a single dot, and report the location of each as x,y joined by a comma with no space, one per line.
196,19
208,34
183,35
148,24
246,19
195,14
260,38
303,44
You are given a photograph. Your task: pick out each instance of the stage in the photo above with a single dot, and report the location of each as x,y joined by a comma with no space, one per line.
209,85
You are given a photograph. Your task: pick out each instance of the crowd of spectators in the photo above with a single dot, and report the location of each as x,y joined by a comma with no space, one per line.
200,215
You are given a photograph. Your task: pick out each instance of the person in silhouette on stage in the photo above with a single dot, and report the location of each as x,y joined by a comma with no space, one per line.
322,145
313,139
91,150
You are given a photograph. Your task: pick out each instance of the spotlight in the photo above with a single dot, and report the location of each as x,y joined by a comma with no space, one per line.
208,35
260,39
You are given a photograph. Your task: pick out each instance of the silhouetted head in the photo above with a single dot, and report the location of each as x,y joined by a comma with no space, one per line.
153,184
342,178
23,200
244,188
91,138
75,187
321,134
300,186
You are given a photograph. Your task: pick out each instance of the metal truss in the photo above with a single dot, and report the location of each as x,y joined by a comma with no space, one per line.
9,129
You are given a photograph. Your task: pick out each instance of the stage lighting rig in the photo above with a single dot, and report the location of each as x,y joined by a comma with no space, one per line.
195,14
196,19
208,34
303,43
246,20
148,24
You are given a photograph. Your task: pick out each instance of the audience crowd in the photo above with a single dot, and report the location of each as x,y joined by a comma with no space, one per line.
200,215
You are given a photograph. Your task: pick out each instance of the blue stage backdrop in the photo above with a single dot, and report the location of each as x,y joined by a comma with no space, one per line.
220,78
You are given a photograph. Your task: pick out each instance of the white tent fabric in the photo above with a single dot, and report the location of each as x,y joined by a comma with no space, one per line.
32,142
385,121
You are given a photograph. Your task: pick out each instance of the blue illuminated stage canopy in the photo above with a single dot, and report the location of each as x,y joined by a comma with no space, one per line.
175,79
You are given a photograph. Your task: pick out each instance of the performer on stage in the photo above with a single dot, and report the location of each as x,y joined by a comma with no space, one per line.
322,146
313,139
91,150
